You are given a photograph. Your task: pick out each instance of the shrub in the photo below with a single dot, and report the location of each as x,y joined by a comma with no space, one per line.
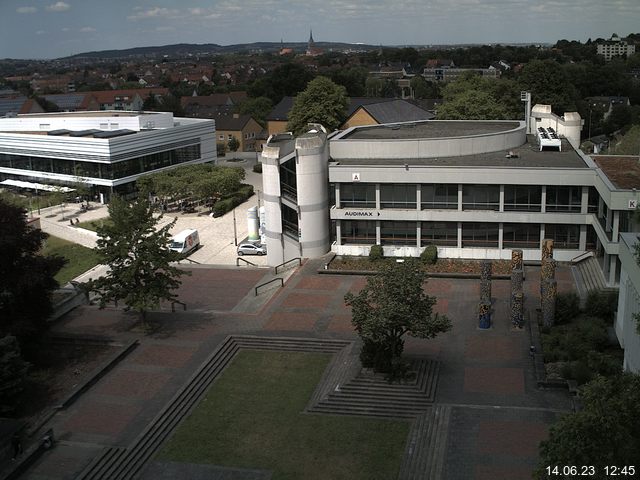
257,168
567,307
223,206
580,372
429,255
376,253
603,363
602,304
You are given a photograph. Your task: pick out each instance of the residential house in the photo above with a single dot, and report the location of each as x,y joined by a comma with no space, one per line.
74,102
12,106
241,127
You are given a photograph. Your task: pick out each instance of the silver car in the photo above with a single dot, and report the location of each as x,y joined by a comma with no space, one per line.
251,249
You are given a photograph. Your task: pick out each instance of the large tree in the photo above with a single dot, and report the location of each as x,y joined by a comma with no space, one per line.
549,84
136,251
393,303
26,277
321,102
603,433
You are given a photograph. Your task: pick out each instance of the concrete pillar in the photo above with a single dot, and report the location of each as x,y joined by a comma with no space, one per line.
583,238
418,197
418,234
378,236
459,234
459,197
547,248
484,315
501,206
517,259
500,235
270,159
550,293
338,232
584,203
312,172
615,226
517,309
613,268
485,281
378,196
544,199
337,186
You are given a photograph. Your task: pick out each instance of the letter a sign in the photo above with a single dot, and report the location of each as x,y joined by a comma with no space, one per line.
355,177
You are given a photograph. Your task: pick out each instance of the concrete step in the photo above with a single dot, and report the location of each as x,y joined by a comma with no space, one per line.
425,452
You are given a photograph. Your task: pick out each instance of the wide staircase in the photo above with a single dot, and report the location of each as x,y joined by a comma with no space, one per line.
590,276
120,463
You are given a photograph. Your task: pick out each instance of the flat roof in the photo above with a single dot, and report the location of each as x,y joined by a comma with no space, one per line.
430,129
89,114
527,156
622,170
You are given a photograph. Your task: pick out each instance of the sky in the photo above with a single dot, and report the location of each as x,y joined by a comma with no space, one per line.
58,28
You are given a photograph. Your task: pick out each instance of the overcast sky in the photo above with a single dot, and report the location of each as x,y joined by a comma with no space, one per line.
57,28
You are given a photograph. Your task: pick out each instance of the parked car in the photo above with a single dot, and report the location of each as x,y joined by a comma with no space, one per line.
251,249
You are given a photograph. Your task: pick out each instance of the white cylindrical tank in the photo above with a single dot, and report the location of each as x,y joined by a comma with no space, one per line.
252,224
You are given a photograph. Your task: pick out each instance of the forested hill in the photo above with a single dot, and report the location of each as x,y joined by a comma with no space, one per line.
213,48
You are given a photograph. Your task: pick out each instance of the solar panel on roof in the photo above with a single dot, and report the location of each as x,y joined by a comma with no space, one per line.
113,133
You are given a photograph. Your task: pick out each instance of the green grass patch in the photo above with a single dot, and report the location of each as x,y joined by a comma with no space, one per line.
93,225
80,259
251,418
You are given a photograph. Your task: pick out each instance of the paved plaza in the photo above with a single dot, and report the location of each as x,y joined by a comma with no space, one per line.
486,379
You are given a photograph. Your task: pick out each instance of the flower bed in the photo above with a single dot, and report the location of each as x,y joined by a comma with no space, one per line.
443,265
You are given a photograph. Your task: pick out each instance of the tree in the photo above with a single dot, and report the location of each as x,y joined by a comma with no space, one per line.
423,89
233,144
26,277
139,260
393,303
549,84
258,108
629,144
12,373
603,433
321,102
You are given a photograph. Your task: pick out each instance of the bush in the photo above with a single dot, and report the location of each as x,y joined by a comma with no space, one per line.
604,364
257,168
567,307
223,206
580,372
602,304
429,255
376,253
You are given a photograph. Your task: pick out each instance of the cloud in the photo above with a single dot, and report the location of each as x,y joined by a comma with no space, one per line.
26,10
40,32
59,7
87,30
65,29
155,12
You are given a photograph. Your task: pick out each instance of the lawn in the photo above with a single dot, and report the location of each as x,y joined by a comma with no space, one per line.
251,417
93,225
80,259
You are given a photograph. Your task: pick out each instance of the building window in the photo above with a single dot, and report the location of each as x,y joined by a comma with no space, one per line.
398,233
290,222
439,197
520,235
442,234
398,196
355,232
357,195
564,199
221,137
288,181
522,198
594,198
564,236
481,197
480,235
229,137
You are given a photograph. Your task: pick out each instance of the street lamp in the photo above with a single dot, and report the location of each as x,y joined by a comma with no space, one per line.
235,231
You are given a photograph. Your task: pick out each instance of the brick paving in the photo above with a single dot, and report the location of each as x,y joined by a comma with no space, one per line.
498,414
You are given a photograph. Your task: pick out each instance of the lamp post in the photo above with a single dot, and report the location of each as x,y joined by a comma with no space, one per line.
235,231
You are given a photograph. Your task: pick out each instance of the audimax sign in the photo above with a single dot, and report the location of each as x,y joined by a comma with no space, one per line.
361,213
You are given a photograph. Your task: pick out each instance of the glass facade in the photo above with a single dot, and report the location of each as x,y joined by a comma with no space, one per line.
520,235
398,196
564,236
442,234
439,197
522,198
358,232
358,195
564,199
480,235
290,222
288,181
398,233
481,197
109,171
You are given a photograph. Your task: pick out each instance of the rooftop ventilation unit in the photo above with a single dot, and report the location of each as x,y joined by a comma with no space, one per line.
548,138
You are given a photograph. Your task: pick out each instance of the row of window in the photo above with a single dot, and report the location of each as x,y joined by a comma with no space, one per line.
522,198
108,171
474,234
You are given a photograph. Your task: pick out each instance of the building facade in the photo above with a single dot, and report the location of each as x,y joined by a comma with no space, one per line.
614,47
629,303
107,150
475,189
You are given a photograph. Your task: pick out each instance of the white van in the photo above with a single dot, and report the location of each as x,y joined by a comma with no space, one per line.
185,241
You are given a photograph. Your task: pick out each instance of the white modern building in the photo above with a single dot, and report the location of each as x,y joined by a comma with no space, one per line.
475,189
626,325
109,150
614,47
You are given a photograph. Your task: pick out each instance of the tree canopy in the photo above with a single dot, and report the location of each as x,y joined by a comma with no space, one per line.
603,433
26,277
321,102
394,303
258,108
139,260
472,97
549,84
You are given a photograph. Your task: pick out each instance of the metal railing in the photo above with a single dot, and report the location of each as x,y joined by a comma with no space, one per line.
278,279
245,261
173,305
298,259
